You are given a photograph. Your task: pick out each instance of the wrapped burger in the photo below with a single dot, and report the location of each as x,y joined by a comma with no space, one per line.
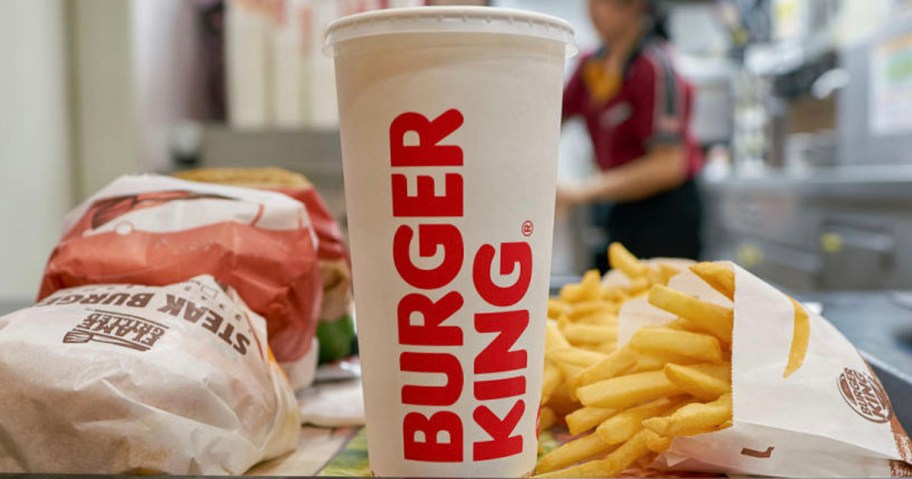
114,378
154,230
335,330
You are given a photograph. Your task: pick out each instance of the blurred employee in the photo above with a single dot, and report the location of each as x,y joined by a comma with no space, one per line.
637,112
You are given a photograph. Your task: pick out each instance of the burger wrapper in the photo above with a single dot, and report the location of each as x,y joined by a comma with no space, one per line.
111,379
154,230
829,417
335,265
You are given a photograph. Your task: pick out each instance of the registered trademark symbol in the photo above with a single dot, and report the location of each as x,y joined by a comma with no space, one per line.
527,228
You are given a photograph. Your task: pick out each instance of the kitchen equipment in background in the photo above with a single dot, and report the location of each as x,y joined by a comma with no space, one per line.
841,229
855,252
786,107
786,88
751,121
875,106
806,151
701,43
711,121
799,18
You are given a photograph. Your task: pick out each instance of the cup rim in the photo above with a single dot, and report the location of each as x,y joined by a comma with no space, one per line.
450,19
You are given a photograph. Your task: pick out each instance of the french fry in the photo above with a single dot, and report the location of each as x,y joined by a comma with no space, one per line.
638,286
692,419
657,361
679,343
592,334
561,402
569,370
680,324
556,307
614,463
594,468
592,284
696,382
620,258
628,453
613,294
607,347
574,293
546,418
623,425
666,272
609,367
554,339
659,445
589,308
625,391
653,275
721,278
551,379
604,319
586,418
646,362
717,370
668,381
576,356
577,450
597,347
712,318
589,289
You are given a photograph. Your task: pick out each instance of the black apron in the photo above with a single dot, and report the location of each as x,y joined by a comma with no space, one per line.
664,225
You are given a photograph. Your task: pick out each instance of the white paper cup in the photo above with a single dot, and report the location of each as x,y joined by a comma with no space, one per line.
462,104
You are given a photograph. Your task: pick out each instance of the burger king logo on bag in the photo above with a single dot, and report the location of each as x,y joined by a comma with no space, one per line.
864,394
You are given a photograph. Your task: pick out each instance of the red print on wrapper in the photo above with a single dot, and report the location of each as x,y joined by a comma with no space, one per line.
165,231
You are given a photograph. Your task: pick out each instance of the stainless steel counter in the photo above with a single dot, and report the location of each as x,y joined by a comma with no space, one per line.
874,181
847,228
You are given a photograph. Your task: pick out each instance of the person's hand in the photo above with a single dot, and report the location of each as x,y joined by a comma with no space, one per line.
569,195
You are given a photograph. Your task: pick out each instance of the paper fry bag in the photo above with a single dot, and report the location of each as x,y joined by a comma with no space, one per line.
805,403
109,379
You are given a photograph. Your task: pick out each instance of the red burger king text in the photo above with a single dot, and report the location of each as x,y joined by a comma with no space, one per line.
498,370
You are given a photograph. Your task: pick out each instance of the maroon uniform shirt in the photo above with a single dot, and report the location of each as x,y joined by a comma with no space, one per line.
651,107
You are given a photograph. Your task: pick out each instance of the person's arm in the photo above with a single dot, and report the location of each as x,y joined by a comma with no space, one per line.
662,169
658,102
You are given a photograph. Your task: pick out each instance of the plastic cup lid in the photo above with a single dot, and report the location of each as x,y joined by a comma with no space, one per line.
451,20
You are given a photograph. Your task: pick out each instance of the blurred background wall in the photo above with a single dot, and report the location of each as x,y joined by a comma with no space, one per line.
35,140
